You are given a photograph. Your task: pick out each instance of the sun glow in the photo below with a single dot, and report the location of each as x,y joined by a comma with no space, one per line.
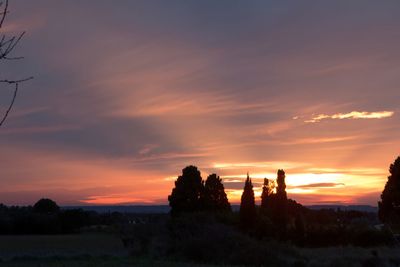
340,184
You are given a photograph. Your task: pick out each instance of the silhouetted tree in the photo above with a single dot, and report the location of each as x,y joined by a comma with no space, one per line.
389,206
7,45
247,205
46,206
186,196
281,188
281,204
214,197
267,191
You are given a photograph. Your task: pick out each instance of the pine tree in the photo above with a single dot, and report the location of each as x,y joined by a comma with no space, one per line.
186,196
389,206
214,197
247,205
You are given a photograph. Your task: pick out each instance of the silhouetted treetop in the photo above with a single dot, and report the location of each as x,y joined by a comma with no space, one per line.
47,206
281,188
267,191
389,206
214,197
186,196
280,205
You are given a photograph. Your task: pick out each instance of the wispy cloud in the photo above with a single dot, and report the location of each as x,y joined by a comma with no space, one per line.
271,165
352,115
147,149
319,185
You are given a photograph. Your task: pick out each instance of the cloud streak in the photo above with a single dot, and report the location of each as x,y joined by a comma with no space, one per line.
352,115
319,185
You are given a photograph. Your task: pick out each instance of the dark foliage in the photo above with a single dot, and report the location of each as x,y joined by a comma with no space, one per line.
389,206
46,206
46,218
192,194
277,207
204,238
186,196
267,191
247,206
214,197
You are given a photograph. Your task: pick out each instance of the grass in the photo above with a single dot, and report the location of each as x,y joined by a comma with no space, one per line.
97,244
106,250
351,256
94,262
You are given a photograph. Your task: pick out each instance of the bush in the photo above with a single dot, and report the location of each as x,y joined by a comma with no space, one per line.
202,238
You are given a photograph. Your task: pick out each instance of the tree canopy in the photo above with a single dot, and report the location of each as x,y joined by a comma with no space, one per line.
47,206
389,206
192,194
185,197
267,191
214,196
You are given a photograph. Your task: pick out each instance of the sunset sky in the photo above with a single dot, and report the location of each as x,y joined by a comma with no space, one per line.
127,93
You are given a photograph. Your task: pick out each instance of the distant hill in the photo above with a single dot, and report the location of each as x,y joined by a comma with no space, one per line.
142,209
163,209
364,208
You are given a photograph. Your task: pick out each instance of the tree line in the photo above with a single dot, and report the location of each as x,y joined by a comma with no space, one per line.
192,194
46,217
280,217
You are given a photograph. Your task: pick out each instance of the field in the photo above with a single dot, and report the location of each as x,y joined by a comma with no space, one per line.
60,245
87,250
106,250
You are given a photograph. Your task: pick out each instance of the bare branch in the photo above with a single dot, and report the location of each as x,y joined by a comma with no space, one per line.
7,45
4,13
11,105
16,81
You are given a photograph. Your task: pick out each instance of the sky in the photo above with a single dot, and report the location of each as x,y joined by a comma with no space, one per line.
127,93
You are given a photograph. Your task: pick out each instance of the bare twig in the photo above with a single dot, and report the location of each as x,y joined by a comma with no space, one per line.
16,81
11,105
4,13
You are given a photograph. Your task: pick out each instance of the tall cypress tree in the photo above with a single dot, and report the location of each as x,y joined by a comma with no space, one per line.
214,197
281,188
247,205
281,204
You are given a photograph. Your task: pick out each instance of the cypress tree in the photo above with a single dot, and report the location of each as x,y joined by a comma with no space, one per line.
281,188
247,205
281,204
214,197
